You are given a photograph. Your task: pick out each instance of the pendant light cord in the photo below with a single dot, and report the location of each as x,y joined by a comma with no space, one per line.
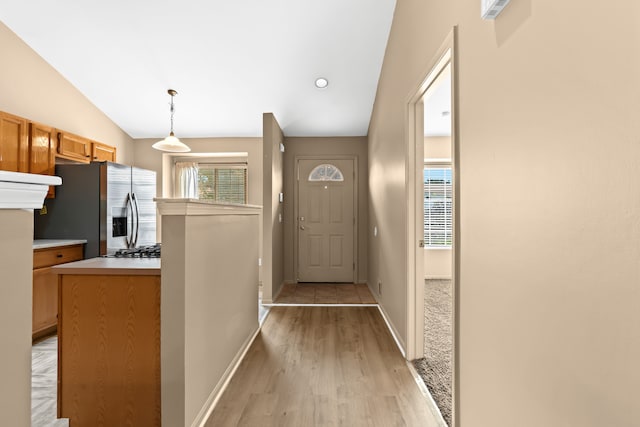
172,110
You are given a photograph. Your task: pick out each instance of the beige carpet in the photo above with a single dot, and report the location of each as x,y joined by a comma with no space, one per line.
435,367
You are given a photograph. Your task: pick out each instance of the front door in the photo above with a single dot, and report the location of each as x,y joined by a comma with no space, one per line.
326,220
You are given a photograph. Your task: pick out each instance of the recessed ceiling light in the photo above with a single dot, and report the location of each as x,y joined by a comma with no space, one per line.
321,82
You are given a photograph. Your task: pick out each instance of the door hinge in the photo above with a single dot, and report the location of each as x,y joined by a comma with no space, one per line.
421,244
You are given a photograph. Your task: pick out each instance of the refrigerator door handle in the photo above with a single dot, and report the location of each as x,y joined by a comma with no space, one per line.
129,206
135,239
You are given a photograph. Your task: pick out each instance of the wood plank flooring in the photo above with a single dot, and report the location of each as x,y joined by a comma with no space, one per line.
325,293
323,366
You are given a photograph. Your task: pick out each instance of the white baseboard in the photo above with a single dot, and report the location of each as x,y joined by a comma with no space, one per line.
215,395
436,277
394,332
435,411
269,301
374,294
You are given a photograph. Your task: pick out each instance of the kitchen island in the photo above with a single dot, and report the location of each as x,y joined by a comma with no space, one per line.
109,342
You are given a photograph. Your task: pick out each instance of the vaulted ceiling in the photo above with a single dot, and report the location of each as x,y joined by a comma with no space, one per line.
230,61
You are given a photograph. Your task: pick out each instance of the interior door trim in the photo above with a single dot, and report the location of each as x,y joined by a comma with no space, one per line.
414,149
296,179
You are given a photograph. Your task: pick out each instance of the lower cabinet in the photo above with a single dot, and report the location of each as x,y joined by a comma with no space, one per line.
45,286
45,302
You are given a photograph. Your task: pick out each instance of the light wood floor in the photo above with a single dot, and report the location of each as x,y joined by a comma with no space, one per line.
325,293
323,366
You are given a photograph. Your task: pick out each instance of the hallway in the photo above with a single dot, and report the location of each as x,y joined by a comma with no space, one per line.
323,366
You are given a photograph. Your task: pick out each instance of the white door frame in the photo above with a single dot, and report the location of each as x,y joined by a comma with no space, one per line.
414,127
296,213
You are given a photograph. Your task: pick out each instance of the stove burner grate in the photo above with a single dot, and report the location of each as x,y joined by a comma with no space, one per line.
152,251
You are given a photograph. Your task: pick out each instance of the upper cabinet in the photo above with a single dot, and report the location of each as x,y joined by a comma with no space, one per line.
74,147
42,149
27,146
80,149
14,143
102,152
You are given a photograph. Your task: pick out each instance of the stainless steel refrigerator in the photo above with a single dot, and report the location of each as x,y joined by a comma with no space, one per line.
108,204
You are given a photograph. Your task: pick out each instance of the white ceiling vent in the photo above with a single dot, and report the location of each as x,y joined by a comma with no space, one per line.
492,8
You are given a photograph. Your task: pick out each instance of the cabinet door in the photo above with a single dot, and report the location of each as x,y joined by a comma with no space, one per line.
74,147
45,301
14,144
42,150
102,152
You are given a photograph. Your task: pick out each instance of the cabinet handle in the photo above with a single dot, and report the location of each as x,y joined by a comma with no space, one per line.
59,256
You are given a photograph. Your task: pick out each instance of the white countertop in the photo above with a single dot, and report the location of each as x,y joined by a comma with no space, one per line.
54,243
111,266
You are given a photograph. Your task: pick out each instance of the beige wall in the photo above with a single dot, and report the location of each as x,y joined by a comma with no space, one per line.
16,264
209,307
273,213
549,147
437,263
32,89
337,146
437,147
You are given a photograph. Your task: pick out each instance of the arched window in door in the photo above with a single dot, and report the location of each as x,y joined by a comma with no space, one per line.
326,172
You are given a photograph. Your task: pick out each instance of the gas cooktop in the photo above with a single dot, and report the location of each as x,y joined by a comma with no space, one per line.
152,251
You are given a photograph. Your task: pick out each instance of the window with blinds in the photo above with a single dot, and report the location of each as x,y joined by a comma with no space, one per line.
438,222
222,182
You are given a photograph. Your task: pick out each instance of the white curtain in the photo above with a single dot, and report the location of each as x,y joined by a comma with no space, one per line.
186,186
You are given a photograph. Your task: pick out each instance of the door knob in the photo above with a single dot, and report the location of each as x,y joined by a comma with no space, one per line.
302,227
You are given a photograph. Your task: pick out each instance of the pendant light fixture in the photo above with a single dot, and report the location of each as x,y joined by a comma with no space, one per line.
171,143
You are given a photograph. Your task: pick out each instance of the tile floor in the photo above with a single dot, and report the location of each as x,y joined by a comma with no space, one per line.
325,293
44,377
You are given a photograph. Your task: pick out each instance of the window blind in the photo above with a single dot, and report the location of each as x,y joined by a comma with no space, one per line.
438,222
222,182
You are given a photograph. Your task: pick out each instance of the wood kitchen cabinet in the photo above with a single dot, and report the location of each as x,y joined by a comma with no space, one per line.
42,151
14,143
45,286
27,146
102,152
73,147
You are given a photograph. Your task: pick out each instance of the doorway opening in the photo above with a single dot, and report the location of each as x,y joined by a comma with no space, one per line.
432,219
